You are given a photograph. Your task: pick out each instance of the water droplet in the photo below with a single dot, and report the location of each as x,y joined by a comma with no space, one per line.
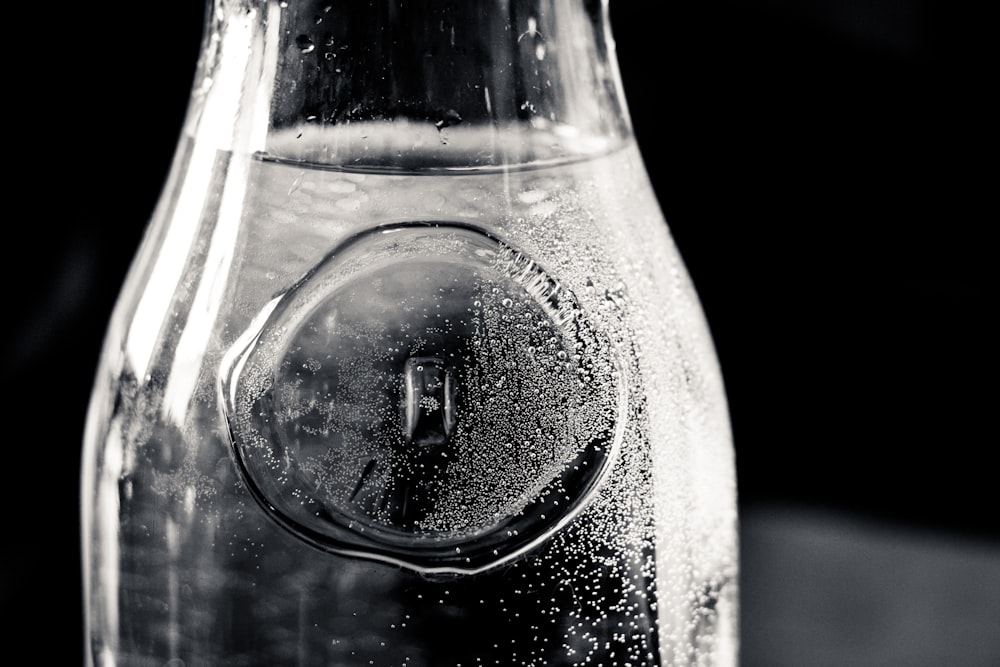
448,118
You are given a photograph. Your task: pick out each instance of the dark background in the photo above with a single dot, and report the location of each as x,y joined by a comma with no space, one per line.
823,165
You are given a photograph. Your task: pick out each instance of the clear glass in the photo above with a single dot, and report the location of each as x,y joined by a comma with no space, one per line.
408,369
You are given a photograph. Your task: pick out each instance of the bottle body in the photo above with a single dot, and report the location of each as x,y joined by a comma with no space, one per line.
404,413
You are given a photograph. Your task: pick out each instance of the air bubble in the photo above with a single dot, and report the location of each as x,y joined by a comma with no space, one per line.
305,44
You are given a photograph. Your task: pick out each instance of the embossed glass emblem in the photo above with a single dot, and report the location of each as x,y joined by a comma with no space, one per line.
426,395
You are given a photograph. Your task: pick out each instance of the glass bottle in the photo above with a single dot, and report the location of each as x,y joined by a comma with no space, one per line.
407,369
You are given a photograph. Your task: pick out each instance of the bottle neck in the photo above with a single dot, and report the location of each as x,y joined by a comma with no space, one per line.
390,82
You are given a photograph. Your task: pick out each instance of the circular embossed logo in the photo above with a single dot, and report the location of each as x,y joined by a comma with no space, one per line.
426,395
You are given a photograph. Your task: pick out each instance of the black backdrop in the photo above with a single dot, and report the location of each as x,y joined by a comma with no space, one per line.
823,166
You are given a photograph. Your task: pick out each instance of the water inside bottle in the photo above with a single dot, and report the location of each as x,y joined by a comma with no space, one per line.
395,478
